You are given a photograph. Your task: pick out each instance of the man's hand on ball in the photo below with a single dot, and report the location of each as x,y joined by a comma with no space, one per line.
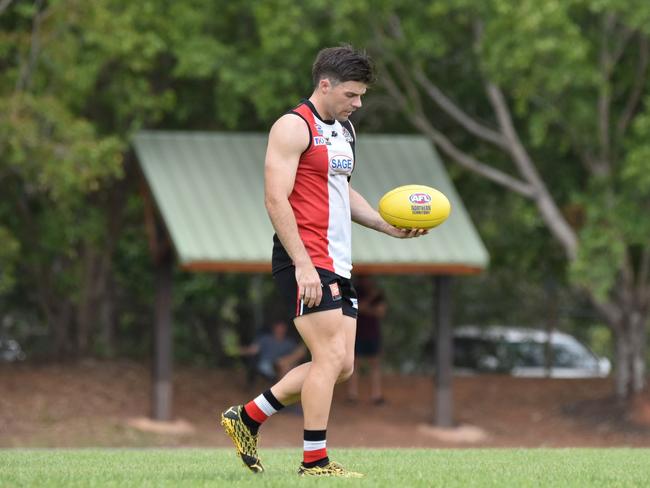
404,233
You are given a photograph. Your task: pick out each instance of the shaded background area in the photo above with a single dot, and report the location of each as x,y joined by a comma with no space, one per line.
552,98
91,404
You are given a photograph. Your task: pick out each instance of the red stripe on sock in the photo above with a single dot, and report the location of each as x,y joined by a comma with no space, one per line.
255,412
317,455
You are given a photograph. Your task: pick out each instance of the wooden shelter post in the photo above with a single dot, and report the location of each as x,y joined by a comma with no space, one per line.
162,343
162,253
444,351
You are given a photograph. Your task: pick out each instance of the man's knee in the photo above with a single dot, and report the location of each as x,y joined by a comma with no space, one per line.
330,356
337,355
346,370
324,336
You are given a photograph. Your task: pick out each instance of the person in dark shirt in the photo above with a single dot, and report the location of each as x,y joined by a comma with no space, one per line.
276,352
367,347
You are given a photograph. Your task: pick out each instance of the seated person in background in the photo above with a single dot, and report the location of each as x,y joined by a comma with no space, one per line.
274,352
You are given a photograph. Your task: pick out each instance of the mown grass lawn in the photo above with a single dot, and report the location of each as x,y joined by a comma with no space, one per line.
394,468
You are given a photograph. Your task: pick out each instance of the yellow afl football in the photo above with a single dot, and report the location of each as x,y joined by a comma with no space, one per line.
414,207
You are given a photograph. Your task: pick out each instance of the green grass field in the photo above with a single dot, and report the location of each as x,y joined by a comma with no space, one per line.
394,468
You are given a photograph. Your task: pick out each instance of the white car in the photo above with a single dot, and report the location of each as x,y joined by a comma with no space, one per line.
522,352
10,351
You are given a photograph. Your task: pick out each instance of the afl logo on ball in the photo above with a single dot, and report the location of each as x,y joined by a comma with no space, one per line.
420,198
341,163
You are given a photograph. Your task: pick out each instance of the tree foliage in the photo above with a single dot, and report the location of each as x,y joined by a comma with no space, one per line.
547,100
558,89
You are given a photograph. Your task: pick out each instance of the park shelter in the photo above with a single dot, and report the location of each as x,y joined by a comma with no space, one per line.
204,200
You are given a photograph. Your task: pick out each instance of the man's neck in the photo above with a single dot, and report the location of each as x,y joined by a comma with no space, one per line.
320,107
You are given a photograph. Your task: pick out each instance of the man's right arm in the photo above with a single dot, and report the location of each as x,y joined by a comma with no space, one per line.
288,138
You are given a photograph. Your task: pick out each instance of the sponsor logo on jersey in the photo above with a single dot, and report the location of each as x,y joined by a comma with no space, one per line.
320,141
420,198
341,163
347,135
319,129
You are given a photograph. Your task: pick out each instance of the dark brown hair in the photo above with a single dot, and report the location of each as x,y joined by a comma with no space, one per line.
343,63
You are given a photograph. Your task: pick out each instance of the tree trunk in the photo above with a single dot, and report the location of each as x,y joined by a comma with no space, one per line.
630,367
639,345
86,306
107,318
622,369
59,323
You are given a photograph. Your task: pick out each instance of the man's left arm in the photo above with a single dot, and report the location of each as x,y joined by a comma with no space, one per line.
364,214
289,360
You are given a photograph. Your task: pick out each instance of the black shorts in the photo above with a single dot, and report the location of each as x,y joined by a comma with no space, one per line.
338,292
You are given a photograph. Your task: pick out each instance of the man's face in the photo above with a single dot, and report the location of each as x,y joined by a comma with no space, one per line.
343,98
279,330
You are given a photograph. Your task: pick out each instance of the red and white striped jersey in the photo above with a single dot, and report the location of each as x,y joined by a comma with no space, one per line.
321,196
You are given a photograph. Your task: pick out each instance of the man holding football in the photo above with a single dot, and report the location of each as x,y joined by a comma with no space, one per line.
309,163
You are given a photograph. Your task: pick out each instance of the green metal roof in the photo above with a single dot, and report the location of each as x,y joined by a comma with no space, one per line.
209,189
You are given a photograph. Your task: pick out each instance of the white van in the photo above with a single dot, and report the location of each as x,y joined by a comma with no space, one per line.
522,352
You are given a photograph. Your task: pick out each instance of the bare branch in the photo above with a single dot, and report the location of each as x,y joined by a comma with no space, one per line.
532,186
585,154
453,110
582,149
610,311
395,27
604,101
639,82
413,109
604,93
457,114
619,49
4,5
515,147
626,291
551,214
372,106
470,163
28,68
406,80
422,123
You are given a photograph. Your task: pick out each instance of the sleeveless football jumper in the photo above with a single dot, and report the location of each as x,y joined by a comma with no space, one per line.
321,197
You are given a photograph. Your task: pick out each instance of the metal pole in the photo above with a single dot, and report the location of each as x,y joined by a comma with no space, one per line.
444,351
162,343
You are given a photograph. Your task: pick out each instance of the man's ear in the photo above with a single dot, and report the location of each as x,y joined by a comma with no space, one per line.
325,85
